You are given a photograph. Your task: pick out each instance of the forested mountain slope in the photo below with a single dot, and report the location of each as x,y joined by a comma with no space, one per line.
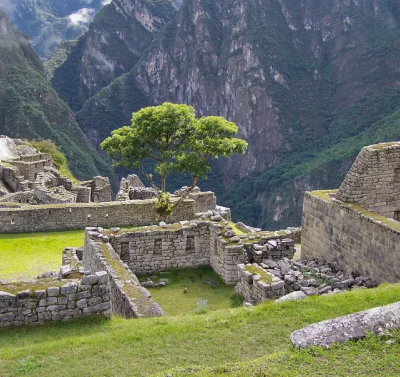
307,81
116,40
30,108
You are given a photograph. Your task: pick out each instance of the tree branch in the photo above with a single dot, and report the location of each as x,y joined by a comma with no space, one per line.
149,178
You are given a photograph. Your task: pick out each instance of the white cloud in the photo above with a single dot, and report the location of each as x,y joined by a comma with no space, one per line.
104,2
82,16
9,6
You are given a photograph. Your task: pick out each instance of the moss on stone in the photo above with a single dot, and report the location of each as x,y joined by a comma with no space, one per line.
384,145
37,285
255,270
384,220
324,194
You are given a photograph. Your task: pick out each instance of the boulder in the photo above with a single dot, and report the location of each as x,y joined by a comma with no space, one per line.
353,326
298,295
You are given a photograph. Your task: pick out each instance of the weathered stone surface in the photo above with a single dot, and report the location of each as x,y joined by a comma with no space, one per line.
297,295
309,291
53,291
353,326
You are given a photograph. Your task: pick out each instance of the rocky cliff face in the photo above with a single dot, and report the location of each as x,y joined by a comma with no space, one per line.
30,108
114,43
49,22
306,81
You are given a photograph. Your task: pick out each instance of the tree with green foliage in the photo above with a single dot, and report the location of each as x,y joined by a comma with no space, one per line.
177,141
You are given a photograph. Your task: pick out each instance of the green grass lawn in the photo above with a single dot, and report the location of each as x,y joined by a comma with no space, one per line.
25,255
144,347
201,283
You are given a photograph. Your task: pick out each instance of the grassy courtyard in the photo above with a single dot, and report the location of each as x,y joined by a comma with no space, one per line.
257,338
23,256
202,283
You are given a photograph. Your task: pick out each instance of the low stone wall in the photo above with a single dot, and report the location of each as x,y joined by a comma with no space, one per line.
58,217
128,298
147,251
91,296
350,235
252,286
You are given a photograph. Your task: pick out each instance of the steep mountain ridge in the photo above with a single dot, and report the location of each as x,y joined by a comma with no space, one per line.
49,22
116,39
295,75
30,108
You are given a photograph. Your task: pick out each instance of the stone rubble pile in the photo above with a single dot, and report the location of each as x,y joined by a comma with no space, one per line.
316,276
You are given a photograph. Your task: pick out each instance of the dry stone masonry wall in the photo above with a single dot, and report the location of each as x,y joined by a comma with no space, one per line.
351,237
128,298
57,217
373,181
75,299
256,284
195,243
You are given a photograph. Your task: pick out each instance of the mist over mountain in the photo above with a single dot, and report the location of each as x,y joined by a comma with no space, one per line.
49,22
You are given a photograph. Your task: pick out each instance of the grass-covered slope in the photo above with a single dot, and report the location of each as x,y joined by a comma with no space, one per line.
145,347
372,357
30,108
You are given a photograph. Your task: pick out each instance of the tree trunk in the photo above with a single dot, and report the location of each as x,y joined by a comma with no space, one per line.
186,192
164,177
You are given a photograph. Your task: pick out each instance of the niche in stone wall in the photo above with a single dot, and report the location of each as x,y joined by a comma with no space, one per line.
124,251
397,175
190,244
396,215
157,247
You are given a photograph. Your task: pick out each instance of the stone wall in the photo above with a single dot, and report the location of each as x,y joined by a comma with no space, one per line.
205,201
150,251
254,288
373,181
58,217
13,178
30,166
350,235
90,296
128,298
195,243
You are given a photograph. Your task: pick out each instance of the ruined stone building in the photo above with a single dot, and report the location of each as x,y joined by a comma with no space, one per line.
358,224
28,176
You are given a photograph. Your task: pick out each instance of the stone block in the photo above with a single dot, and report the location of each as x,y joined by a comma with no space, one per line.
102,277
68,289
94,301
23,295
89,280
55,308
40,294
53,291
81,303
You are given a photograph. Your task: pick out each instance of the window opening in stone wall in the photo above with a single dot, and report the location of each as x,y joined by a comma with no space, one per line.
124,251
396,215
190,244
397,175
157,247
